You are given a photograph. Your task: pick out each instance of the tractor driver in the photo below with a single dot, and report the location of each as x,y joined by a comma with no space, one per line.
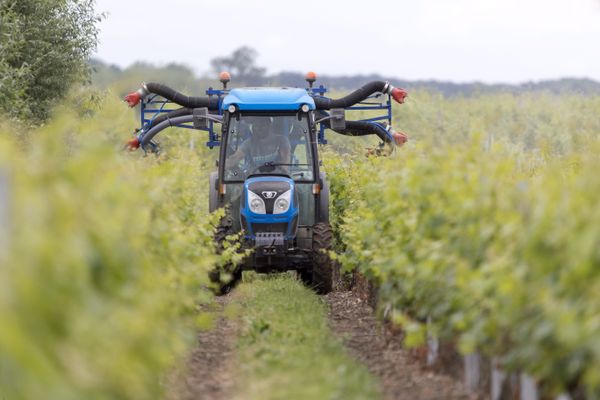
264,148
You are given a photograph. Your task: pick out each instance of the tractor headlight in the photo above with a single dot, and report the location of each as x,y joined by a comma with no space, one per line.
255,203
282,204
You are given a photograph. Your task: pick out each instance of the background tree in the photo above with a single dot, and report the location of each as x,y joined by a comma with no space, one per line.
44,49
241,64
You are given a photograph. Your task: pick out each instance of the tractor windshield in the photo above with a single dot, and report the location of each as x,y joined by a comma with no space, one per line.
267,145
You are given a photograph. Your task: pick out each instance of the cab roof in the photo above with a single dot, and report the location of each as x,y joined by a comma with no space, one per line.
265,98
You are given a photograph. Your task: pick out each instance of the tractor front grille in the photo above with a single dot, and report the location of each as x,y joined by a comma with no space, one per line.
280,227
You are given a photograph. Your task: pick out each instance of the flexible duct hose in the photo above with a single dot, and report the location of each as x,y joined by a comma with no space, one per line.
170,94
182,115
358,128
362,128
180,112
361,94
353,128
146,137
181,99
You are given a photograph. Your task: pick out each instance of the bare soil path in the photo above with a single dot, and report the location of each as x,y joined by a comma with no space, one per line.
210,365
400,374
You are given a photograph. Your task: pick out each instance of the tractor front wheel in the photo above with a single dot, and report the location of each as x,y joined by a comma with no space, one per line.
325,272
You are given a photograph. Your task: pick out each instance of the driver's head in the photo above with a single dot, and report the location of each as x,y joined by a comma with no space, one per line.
261,127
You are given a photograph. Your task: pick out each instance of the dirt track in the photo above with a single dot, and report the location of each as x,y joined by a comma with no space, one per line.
208,374
401,376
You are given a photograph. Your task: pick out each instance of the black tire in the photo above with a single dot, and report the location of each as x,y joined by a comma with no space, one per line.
324,199
305,276
224,229
213,194
217,275
220,286
325,272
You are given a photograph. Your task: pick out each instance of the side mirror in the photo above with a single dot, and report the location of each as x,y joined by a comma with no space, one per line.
201,117
338,119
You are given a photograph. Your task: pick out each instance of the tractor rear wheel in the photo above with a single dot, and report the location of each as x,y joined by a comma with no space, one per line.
325,272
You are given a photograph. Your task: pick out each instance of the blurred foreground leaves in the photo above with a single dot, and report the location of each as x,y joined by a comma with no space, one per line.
106,258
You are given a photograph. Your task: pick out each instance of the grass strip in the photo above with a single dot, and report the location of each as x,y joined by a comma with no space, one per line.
286,350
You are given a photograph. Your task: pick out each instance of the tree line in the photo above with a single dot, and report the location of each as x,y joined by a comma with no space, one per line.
45,46
244,71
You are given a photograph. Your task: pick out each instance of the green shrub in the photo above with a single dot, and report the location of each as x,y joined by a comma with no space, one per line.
107,260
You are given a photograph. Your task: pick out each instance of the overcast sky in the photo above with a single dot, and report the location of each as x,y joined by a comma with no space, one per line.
458,40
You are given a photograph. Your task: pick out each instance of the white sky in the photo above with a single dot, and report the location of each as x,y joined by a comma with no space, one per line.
459,40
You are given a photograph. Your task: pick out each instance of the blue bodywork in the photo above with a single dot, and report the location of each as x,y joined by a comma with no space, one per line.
253,218
272,99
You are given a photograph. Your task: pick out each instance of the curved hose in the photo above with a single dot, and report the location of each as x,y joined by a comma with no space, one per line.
353,128
181,99
362,128
147,136
361,94
180,112
359,128
171,94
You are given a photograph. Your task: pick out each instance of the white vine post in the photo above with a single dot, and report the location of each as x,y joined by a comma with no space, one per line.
498,378
472,365
433,344
529,390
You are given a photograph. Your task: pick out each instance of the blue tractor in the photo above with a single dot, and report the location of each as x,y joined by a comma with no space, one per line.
268,175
